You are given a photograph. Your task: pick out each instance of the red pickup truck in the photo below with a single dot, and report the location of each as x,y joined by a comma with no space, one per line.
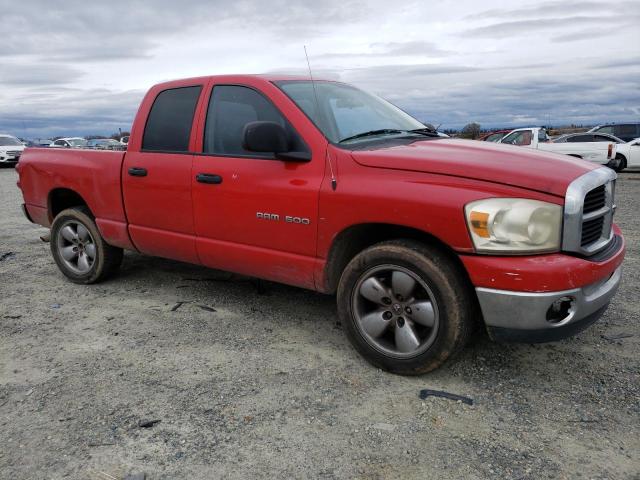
323,186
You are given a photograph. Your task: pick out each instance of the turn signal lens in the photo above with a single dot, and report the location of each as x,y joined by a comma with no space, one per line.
480,223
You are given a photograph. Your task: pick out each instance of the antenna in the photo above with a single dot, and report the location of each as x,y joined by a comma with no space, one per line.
334,182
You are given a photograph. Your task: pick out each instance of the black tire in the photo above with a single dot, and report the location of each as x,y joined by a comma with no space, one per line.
107,257
620,163
447,283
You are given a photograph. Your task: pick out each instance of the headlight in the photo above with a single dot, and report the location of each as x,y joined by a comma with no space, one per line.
514,225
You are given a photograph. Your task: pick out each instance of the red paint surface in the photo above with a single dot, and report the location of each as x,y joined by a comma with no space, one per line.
538,273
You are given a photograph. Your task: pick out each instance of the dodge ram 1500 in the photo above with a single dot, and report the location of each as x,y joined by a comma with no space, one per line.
323,186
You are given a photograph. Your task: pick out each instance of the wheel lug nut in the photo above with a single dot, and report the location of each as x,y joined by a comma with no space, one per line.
387,315
400,322
408,310
386,300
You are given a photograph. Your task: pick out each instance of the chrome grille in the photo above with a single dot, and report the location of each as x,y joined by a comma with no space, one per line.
14,153
588,212
591,231
595,199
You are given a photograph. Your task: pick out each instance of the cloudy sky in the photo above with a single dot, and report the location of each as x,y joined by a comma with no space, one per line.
81,67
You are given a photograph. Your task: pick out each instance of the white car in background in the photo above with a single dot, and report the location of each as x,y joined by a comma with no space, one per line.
10,149
634,153
69,142
627,153
597,152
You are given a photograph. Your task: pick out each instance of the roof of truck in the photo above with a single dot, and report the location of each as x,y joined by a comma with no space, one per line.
240,78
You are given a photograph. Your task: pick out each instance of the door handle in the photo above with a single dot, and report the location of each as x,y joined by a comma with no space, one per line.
138,172
209,178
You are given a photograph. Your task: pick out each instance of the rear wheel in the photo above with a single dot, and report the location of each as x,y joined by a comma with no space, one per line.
406,307
78,248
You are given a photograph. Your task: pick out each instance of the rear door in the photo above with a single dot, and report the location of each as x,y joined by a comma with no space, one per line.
255,214
156,175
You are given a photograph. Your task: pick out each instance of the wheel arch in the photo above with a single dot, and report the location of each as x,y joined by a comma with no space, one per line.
355,238
60,199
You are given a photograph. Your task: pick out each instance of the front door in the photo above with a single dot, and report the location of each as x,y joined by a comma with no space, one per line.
254,214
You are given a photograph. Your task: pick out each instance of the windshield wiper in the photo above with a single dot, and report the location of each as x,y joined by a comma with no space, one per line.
429,132
370,133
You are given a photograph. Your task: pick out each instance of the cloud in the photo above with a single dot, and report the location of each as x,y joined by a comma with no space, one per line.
526,27
590,34
391,49
545,9
75,30
42,74
81,67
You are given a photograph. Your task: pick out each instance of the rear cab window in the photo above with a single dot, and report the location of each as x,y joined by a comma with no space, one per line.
169,122
542,135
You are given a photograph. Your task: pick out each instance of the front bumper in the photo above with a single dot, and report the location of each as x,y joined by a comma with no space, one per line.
525,316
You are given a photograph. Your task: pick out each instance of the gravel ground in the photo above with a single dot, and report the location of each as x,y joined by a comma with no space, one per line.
252,379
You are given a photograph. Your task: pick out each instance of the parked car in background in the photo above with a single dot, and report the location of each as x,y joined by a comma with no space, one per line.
597,152
41,142
633,160
624,131
69,142
624,150
493,136
10,149
104,144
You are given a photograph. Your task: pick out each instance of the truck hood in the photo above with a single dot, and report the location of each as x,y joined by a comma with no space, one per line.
506,164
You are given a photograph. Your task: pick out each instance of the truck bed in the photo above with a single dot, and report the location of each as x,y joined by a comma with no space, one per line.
92,174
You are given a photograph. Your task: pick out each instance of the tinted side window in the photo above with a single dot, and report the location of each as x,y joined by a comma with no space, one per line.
169,123
602,138
580,138
230,109
625,131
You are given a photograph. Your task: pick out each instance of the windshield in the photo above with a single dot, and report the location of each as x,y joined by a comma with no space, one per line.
9,142
345,112
77,142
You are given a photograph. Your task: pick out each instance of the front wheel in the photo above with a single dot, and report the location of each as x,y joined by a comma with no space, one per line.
406,307
78,248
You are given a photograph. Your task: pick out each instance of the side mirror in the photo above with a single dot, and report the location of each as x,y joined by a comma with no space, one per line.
270,137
